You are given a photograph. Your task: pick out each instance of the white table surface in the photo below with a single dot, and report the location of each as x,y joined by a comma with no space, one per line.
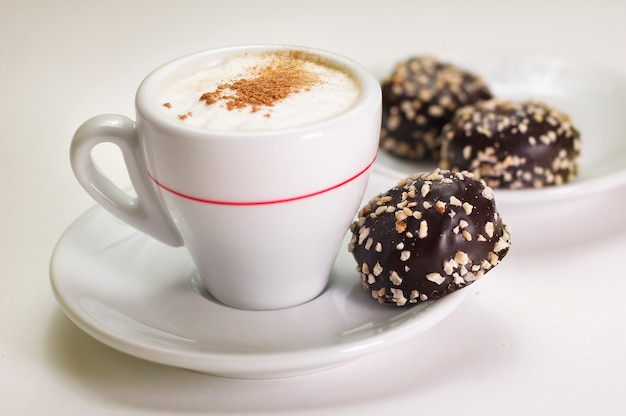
543,334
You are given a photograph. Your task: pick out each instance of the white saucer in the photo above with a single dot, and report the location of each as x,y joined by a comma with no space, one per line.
141,297
595,99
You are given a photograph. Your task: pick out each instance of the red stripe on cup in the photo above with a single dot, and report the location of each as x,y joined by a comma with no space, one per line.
248,203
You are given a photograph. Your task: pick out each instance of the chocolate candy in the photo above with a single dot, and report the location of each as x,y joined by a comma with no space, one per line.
430,235
419,97
512,145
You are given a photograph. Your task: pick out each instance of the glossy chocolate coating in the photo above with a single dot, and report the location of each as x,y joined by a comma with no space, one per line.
512,145
419,97
430,235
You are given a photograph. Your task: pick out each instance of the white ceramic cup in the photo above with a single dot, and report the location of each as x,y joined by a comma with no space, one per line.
262,214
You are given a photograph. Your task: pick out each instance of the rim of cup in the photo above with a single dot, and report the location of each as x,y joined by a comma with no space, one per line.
145,100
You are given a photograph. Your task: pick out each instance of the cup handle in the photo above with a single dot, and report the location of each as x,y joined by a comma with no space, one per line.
144,212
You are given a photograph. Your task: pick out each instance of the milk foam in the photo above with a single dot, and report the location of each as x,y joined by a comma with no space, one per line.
334,92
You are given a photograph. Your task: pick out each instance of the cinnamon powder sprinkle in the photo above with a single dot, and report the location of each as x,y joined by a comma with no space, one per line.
277,80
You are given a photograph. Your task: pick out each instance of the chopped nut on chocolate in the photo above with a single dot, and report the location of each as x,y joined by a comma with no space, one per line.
512,145
432,254
419,97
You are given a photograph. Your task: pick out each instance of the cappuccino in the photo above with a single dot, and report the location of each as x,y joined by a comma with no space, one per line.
257,91
237,187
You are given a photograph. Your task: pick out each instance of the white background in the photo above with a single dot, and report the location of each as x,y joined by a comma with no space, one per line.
544,334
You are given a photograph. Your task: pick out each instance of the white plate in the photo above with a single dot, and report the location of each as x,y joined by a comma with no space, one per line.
141,297
595,98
